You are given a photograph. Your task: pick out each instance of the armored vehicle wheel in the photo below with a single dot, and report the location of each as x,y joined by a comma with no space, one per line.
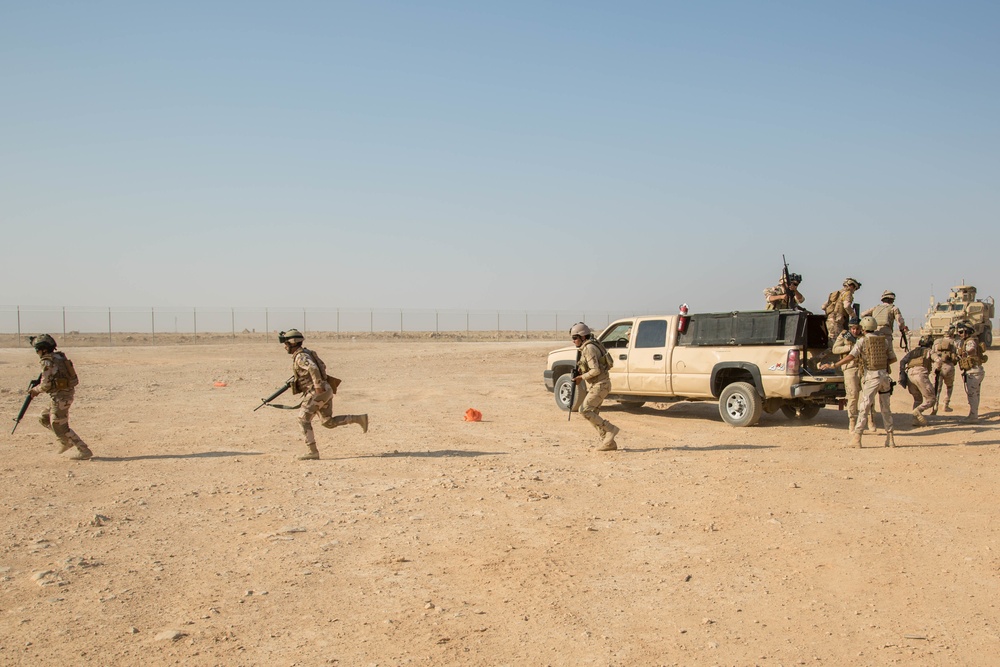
562,390
801,412
988,338
740,404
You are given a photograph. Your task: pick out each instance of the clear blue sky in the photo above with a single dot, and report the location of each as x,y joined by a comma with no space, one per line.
507,155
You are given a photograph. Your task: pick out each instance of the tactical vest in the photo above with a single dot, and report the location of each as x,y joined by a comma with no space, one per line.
303,381
883,315
65,377
873,353
970,360
604,359
830,307
922,359
947,349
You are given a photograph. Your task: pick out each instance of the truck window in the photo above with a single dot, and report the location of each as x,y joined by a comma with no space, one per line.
652,333
618,336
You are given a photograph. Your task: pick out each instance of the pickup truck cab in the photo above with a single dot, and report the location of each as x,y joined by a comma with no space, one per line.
750,362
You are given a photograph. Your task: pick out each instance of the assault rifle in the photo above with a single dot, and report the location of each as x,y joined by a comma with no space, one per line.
27,401
572,391
267,401
937,390
787,278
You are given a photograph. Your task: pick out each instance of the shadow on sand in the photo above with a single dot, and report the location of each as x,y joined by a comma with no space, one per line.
154,457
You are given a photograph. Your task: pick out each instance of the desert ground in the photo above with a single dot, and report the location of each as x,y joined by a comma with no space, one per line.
194,537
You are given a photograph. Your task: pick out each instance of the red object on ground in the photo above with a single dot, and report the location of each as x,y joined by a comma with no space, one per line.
473,415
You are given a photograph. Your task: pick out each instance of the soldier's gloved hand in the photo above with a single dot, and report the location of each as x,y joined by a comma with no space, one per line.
34,391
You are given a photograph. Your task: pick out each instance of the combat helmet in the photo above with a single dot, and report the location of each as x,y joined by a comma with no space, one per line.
964,328
852,282
868,323
43,341
290,336
888,294
854,320
925,341
579,329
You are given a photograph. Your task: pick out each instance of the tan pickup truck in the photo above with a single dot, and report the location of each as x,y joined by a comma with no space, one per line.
750,362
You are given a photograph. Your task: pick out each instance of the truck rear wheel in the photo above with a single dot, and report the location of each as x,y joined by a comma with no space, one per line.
740,404
562,390
801,412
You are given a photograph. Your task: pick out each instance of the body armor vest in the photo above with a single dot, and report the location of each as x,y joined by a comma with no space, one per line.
947,349
923,359
303,381
883,315
65,377
970,360
873,353
604,358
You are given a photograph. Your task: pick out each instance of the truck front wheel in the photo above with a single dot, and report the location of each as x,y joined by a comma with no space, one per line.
740,404
562,390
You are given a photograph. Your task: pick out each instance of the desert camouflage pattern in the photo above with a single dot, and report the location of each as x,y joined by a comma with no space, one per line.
56,418
852,373
944,353
886,315
874,383
918,368
598,387
310,374
873,353
779,290
970,361
838,311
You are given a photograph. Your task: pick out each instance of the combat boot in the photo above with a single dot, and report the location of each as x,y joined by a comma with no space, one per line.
855,440
889,441
360,420
852,422
608,443
947,408
919,419
343,420
312,454
65,446
45,419
971,419
83,453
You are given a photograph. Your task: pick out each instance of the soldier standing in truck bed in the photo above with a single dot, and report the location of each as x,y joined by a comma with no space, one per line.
783,297
839,308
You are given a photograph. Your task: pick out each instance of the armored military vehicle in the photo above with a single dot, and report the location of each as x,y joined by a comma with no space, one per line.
961,306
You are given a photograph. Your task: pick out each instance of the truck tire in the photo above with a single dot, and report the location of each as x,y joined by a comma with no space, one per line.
988,338
562,391
740,404
801,412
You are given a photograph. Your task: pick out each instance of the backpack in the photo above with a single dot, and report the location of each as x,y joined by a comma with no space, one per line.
831,301
604,359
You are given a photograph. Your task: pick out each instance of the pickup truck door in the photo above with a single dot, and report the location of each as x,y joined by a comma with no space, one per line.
616,342
648,357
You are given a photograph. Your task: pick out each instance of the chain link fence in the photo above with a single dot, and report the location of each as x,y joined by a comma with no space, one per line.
172,324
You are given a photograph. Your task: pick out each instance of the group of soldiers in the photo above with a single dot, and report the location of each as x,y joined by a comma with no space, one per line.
58,379
864,342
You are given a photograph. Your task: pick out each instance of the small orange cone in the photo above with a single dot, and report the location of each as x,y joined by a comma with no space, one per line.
219,384
473,415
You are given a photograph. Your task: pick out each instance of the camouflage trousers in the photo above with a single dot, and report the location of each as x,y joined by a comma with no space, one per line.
56,417
852,385
946,374
874,383
314,403
973,379
920,388
591,407
834,326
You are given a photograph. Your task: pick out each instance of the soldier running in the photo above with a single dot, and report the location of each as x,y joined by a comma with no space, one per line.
915,366
59,381
317,388
593,367
886,314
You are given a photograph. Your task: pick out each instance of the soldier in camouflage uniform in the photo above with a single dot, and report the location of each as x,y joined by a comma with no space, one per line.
781,297
839,308
885,314
59,381
593,366
945,355
852,380
875,357
915,366
971,357
317,388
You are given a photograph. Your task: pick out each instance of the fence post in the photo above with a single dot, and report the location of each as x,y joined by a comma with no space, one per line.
437,328
371,321
111,342
466,322
232,312
303,320
400,320
19,326
338,320
195,311
152,322
64,321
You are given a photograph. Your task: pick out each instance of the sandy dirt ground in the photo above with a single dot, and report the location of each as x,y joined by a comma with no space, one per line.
194,537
